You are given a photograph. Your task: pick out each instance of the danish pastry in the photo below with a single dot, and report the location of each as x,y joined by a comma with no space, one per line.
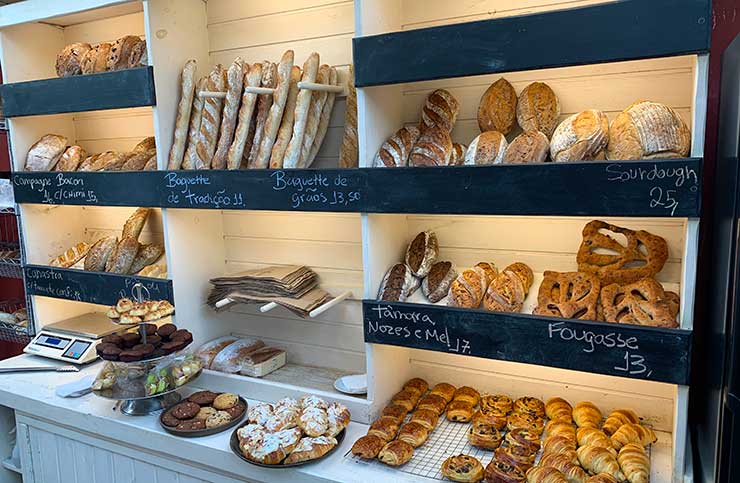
530,405
594,437
587,415
417,385
339,417
526,438
484,436
312,401
414,433
433,402
445,390
498,404
490,418
310,448
384,428
462,468
425,417
599,460
286,419
572,471
617,418
395,411
368,446
396,453
274,447
545,474
633,433
523,420
635,463
459,411
558,409
499,471
288,403
467,394
250,434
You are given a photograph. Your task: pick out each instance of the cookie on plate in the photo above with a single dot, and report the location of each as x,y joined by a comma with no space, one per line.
218,419
191,425
203,398
205,413
225,401
185,410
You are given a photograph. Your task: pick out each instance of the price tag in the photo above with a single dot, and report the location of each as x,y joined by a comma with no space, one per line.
662,187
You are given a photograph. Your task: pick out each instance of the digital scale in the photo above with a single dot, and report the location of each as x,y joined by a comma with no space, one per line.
72,340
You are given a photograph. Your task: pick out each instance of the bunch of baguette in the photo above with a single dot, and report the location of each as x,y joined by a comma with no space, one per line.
245,130
51,153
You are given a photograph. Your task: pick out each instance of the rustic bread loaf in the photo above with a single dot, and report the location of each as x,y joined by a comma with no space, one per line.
45,152
292,156
196,116
437,282
69,60
279,99
538,108
396,150
137,56
184,107
528,147
398,284
457,157
487,148
234,80
146,144
123,255
285,132
252,78
440,110
120,52
211,119
151,165
349,155
96,59
115,161
433,148
497,108
264,103
71,159
146,255
98,255
324,121
581,137
467,290
318,99
648,130
422,252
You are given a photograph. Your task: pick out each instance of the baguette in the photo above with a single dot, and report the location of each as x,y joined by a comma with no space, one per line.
211,120
349,154
235,77
251,79
293,152
183,116
264,103
324,122
279,98
318,99
188,161
286,124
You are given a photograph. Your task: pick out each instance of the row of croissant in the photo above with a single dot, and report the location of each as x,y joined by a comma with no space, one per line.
222,124
619,287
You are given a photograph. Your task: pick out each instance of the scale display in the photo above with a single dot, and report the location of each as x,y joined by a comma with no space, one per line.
76,350
53,342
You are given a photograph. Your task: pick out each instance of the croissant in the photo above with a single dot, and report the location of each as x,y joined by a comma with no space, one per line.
633,433
560,428
558,409
635,463
601,478
617,418
587,415
560,445
599,460
572,472
545,474
594,437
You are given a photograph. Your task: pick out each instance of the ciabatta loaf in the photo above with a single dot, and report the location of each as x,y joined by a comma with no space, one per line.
528,147
395,151
440,110
538,109
580,137
487,148
433,148
497,108
648,130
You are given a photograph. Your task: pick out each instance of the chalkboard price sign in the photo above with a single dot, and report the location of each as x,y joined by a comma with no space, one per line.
59,189
198,189
318,190
614,349
92,287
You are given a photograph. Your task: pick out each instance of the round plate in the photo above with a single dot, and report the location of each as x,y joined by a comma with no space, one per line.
195,433
340,386
123,395
234,444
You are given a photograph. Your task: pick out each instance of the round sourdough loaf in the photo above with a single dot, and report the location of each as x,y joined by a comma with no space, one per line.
433,148
528,147
120,52
487,148
440,110
46,152
648,130
96,59
69,60
538,108
582,136
71,159
497,108
395,151
457,157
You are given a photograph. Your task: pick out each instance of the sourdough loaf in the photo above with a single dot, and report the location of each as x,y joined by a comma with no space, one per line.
45,153
487,148
497,108
538,108
422,252
96,59
71,159
98,255
433,148
440,111
135,223
208,351
528,147
398,284
69,60
120,52
648,130
437,282
581,137
123,255
396,150
457,156
467,290
146,144
146,255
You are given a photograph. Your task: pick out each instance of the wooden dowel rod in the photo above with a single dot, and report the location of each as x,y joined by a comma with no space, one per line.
313,86
259,90
331,303
216,95
223,303
268,307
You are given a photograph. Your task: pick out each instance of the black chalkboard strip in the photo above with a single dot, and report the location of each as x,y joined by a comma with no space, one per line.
92,287
613,349
92,92
615,31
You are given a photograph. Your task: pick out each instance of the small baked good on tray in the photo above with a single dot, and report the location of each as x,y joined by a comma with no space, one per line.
272,448
530,405
197,412
426,417
368,446
310,448
414,433
395,411
446,390
134,347
459,411
416,384
384,428
396,453
467,394
462,468
433,402
484,435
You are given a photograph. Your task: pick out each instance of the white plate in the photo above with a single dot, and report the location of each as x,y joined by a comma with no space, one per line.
354,384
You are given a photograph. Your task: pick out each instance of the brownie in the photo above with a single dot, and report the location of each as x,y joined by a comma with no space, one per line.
145,349
236,411
169,420
185,410
150,329
166,330
130,356
191,425
113,339
130,339
203,398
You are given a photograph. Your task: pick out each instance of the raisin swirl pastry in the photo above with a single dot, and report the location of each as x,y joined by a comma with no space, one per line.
530,405
498,404
462,468
499,471
498,422
515,456
522,420
558,409
484,435
527,439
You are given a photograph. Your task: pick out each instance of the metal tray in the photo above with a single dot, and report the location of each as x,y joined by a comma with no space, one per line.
234,444
196,433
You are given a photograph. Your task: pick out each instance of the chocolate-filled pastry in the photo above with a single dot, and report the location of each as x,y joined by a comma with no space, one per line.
527,421
558,409
395,411
384,428
617,418
633,433
525,438
571,469
484,435
467,394
414,433
498,404
490,418
416,384
530,405
545,474
560,428
501,471
426,417
459,411
587,415
515,456
396,453
447,391
594,437
406,398
166,330
462,468
368,447
433,402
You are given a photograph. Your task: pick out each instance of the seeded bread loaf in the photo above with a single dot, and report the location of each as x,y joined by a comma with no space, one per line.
581,137
69,60
398,284
120,52
487,148
648,130
497,108
437,282
457,156
538,109
422,252
96,59
528,147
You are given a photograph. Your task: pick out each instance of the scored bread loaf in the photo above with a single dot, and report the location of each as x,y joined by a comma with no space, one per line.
71,256
96,59
497,108
279,99
138,161
487,148
196,116
538,109
318,99
349,154
120,52
528,147
69,60
208,351
285,132
396,150
264,103
509,289
234,79
580,137
137,55
146,144
252,78
123,255
433,148
437,282
46,152
457,156
115,161
292,155
648,130
398,284
151,165
467,290
324,122
440,110
99,253
71,159
135,223
231,358
210,120
146,255
422,252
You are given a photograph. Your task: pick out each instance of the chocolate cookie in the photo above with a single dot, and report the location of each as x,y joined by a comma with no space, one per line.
185,410
113,339
169,420
235,412
150,329
181,334
130,339
203,398
130,356
145,349
157,353
104,345
154,340
173,346
191,425
111,353
166,330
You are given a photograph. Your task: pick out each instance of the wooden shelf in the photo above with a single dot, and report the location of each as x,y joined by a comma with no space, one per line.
637,352
663,188
624,30
92,287
92,92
